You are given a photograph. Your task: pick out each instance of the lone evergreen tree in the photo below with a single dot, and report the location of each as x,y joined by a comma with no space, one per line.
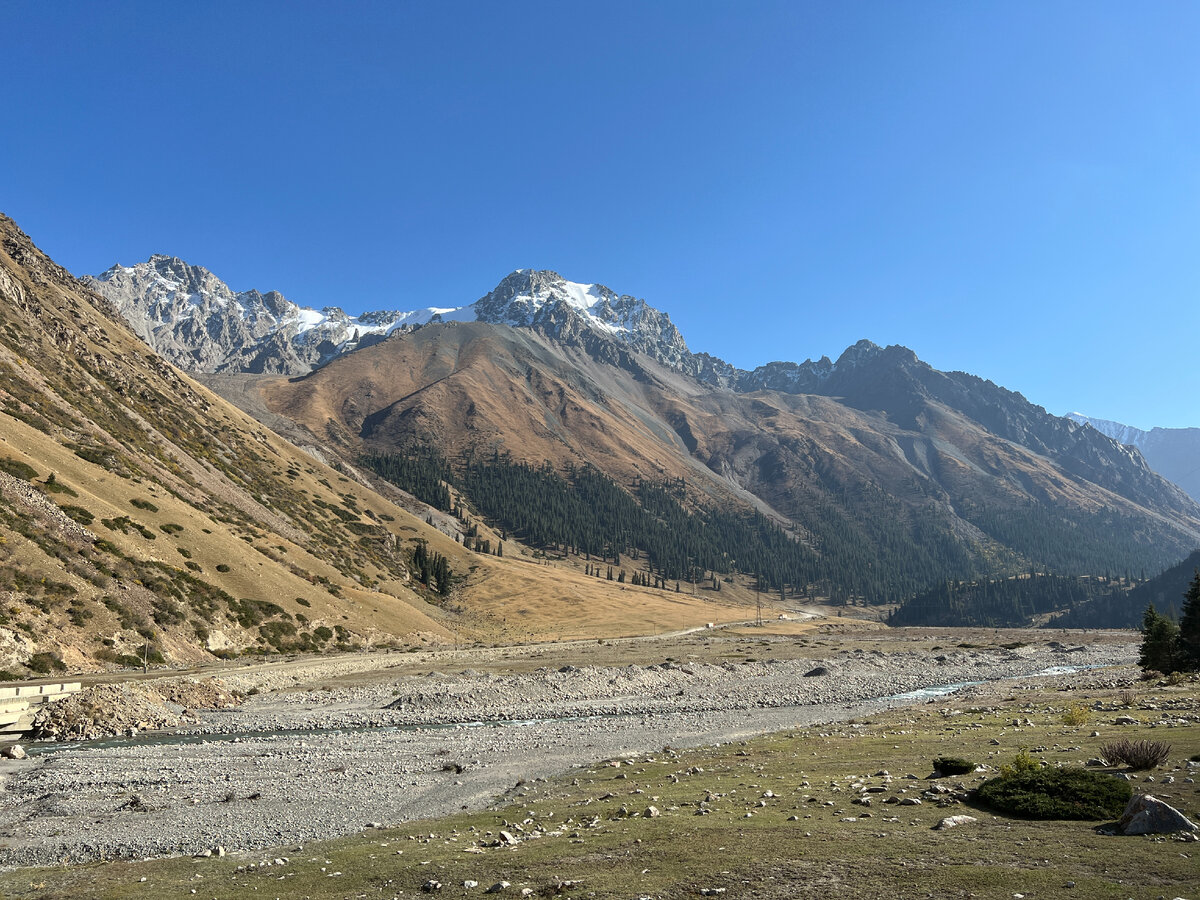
1189,625
1160,642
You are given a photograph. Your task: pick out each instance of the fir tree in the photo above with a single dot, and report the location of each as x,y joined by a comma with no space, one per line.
1189,626
1160,642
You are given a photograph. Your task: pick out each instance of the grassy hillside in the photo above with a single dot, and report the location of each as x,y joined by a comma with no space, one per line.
141,516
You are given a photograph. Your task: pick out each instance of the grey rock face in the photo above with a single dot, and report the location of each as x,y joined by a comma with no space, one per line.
198,322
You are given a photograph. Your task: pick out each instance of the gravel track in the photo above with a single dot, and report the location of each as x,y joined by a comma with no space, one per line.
392,751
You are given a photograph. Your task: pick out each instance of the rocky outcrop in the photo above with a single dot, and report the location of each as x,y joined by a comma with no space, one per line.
198,322
1149,815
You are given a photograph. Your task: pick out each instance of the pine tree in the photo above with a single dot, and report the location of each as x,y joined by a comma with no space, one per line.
1160,642
1189,626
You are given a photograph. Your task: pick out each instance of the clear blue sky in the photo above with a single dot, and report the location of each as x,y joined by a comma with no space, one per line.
1012,189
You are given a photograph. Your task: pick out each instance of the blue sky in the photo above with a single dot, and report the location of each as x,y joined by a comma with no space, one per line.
1010,189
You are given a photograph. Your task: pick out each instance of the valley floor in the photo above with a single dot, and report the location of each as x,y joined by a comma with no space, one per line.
334,748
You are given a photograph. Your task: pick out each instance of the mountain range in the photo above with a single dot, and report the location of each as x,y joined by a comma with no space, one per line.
390,478
144,518
1172,452
890,474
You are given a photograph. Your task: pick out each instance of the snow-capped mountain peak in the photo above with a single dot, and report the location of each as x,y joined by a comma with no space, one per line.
195,319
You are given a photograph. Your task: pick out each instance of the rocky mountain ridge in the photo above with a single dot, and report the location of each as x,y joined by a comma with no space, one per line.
1173,453
197,321
873,461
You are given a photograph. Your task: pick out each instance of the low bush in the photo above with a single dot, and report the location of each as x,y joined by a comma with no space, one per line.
952,765
79,514
1076,714
45,663
1065,793
1138,755
54,486
17,469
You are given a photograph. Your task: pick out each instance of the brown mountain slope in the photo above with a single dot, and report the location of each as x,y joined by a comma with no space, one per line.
922,494
140,514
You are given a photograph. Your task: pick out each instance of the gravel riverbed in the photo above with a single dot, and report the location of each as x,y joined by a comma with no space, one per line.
291,766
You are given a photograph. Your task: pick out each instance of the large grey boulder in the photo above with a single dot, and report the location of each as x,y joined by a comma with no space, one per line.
1149,815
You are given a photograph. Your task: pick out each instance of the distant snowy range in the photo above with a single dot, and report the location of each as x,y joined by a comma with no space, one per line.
197,321
1173,453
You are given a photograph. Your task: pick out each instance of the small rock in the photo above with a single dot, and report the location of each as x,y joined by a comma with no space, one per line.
431,885
468,884
1125,720
818,671
16,751
497,887
910,801
954,822
651,812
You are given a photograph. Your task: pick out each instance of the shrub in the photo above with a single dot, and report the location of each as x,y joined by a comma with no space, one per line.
222,567
1076,714
143,504
54,486
1066,793
1138,755
17,469
953,765
1022,764
79,514
44,663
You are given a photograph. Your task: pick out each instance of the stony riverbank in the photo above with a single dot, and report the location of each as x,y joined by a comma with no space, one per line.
401,747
